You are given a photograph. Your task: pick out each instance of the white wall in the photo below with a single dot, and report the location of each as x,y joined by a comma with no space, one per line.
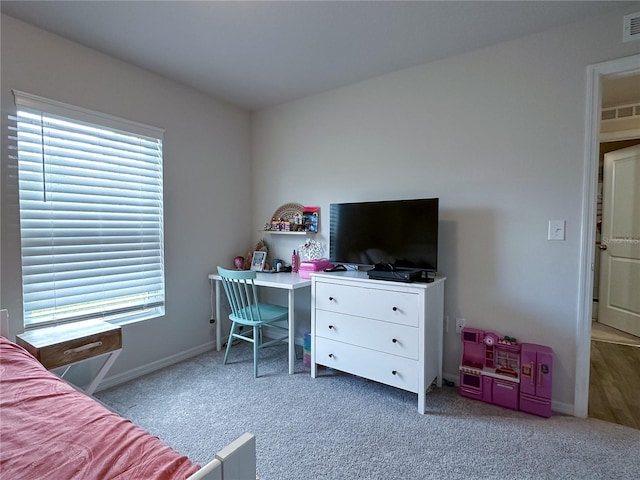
206,172
496,134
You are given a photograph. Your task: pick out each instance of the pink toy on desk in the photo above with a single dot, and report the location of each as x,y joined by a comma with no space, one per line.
311,266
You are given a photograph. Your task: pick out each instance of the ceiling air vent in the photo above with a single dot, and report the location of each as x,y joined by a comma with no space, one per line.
631,27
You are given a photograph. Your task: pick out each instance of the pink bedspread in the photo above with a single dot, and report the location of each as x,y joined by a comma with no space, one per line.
48,430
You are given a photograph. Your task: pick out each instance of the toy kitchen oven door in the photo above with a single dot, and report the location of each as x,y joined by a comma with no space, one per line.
473,356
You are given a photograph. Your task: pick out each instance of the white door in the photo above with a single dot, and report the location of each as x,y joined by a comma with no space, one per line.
619,304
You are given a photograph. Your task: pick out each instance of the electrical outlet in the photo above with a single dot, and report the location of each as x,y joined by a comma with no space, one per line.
460,324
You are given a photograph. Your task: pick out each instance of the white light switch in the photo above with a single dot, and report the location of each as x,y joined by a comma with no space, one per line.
556,230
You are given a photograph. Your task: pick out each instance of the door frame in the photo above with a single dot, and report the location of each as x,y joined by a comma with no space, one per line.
595,73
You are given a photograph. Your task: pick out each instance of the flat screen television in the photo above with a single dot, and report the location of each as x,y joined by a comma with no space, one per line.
403,233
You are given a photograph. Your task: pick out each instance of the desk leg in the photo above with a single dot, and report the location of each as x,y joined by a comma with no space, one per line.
292,331
218,316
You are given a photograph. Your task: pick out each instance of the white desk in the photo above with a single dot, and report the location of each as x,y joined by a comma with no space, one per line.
285,281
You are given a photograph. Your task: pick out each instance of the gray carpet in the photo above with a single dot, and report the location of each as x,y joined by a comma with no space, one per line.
344,427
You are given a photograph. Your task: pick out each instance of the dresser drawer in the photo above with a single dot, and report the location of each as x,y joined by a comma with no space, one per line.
373,334
392,370
380,304
63,345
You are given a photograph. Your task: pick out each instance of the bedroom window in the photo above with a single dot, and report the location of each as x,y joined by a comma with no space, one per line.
91,214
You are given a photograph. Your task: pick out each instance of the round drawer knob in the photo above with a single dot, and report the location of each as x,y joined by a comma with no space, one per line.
395,309
331,299
331,355
330,327
394,340
394,372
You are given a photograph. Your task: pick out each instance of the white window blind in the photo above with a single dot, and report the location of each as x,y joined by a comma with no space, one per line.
91,214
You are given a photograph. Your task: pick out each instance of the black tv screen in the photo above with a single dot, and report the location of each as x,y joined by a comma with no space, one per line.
403,233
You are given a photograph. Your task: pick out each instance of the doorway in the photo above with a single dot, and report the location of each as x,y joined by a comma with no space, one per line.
614,377
617,254
597,373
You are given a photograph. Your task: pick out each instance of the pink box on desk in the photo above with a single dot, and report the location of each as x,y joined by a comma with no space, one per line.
311,266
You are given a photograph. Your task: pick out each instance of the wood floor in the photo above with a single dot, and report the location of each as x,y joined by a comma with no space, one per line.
600,331
614,387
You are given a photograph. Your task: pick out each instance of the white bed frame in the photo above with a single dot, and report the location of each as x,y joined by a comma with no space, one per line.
236,461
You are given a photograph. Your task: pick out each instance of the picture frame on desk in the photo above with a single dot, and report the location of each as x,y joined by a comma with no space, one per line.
258,260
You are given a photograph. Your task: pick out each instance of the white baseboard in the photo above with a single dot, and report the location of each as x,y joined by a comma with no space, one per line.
556,407
564,408
114,380
123,377
108,382
452,377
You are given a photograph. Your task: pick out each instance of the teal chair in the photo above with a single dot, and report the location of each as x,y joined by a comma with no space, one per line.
247,310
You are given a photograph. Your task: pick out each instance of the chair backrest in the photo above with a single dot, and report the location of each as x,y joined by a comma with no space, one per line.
242,293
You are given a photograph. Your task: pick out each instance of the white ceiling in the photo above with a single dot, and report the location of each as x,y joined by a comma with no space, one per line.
257,54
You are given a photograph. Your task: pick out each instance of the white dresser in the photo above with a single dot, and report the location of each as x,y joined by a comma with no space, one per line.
390,332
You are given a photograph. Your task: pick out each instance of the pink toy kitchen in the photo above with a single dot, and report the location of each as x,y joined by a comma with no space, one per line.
499,370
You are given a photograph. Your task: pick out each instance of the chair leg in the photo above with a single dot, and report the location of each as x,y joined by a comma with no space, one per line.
256,345
229,342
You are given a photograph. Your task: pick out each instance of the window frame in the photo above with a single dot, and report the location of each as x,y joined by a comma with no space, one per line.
32,103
